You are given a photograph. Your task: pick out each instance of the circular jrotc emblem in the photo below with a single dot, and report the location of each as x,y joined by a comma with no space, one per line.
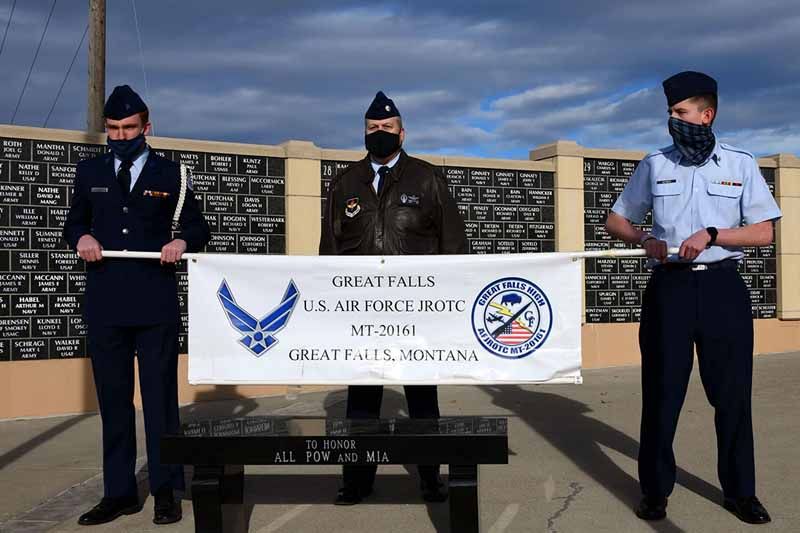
512,317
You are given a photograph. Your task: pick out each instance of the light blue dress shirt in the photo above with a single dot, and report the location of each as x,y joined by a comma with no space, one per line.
724,192
138,165
376,166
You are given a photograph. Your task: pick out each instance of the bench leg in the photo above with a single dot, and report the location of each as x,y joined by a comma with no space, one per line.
207,498
217,496
233,484
464,516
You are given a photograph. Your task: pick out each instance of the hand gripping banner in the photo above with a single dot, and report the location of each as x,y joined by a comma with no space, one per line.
384,320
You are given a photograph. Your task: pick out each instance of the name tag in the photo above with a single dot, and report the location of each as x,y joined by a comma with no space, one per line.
662,182
156,194
99,189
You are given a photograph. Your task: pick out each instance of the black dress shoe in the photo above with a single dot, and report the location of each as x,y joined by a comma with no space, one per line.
652,508
351,495
110,509
433,491
747,509
165,509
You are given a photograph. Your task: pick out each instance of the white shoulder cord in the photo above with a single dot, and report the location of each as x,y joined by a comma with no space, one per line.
185,176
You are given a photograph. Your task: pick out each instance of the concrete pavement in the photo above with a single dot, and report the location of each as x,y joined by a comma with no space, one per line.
572,464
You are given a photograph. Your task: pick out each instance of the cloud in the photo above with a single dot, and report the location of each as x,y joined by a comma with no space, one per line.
601,111
478,78
768,140
542,94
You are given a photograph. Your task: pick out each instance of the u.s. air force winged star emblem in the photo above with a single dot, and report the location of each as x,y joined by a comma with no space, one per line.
259,334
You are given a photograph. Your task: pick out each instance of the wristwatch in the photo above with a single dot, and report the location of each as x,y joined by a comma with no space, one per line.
712,231
644,238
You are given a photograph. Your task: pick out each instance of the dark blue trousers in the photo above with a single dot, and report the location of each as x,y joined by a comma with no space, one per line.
112,349
709,310
364,402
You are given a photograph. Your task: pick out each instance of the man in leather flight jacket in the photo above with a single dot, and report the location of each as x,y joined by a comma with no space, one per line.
390,204
414,214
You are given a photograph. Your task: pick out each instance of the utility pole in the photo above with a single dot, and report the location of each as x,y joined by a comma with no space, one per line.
97,66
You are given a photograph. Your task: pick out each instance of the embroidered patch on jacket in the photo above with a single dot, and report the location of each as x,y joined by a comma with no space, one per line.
352,207
409,199
664,182
156,194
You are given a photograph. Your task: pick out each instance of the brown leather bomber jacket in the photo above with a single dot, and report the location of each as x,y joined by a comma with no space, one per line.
414,215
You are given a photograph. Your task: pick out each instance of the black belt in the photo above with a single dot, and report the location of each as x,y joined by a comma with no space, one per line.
731,264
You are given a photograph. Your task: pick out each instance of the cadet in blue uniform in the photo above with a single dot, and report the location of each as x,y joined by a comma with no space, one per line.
390,204
125,200
710,200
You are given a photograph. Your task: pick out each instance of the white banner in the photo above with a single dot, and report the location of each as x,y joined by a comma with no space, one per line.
384,320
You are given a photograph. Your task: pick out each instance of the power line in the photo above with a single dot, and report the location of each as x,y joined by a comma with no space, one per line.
141,55
80,45
141,52
36,55
8,25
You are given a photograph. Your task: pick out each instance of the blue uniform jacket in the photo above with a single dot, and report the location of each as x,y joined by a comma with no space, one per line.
724,192
132,292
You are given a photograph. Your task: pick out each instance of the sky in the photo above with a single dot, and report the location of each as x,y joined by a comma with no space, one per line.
485,78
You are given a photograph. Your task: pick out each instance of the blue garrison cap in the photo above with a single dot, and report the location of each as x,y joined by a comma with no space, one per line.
122,103
381,107
687,85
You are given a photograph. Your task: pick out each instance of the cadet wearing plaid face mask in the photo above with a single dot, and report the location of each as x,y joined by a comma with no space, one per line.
710,200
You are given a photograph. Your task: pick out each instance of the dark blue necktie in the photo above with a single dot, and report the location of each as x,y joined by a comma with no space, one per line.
124,177
382,172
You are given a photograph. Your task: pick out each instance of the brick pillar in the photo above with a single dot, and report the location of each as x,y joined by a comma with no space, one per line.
787,237
567,158
302,197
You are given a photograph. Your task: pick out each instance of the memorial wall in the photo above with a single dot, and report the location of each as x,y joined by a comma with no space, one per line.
268,200
505,210
614,287
42,282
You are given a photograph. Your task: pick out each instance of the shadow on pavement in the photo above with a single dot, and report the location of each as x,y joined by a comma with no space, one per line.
19,451
565,424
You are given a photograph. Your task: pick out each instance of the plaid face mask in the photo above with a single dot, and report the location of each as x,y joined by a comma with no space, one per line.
695,142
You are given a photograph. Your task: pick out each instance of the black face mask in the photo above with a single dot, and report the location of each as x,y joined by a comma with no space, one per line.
695,141
382,144
127,150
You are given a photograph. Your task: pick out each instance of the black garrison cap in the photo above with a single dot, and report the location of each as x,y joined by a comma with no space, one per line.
381,108
122,103
687,85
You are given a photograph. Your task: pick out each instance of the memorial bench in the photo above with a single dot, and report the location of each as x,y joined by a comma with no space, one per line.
219,450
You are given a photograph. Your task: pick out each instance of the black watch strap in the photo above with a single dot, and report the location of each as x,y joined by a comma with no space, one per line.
712,231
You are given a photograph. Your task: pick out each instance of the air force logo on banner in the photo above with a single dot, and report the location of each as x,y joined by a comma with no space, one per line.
259,335
512,318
